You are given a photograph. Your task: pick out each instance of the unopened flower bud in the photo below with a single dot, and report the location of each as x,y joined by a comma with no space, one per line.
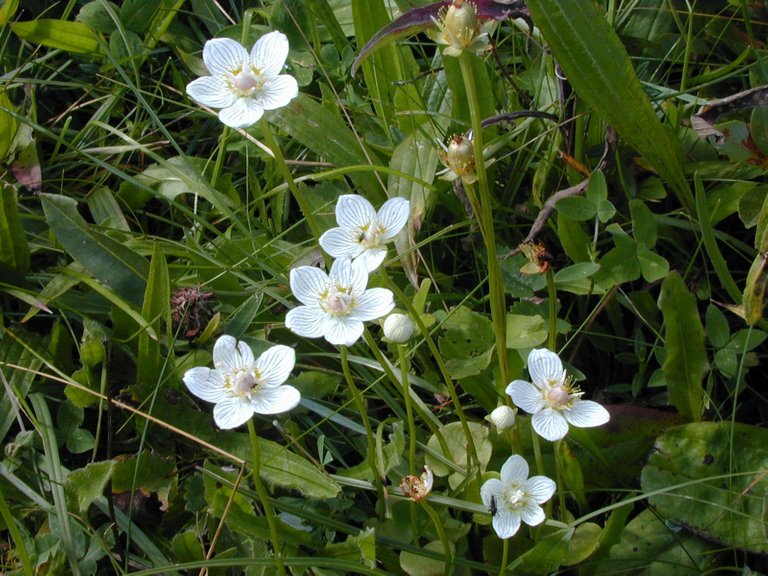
502,417
459,159
398,328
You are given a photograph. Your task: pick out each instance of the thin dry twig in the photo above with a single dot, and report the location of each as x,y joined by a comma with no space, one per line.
549,205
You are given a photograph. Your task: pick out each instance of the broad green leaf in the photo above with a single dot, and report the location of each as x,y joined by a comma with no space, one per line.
718,331
577,271
114,264
14,250
415,564
8,127
643,223
75,37
652,266
467,344
85,485
586,539
650,547
754,291
156,311
360,548
598,67
576,208
453,434
97,14
525,331
546,556
306,121
572,237
19,379
710,477
106,211
597,195
7,11
686,363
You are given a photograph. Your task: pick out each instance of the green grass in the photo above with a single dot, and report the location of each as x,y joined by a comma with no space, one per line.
135,229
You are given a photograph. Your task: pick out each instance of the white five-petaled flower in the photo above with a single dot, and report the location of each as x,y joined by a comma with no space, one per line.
362,232
241,385
336,304
244,85
553,399
515,497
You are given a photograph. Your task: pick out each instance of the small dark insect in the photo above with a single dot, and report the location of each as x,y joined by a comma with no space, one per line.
492,506
708,459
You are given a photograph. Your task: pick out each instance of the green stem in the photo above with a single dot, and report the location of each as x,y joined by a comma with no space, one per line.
360,404
485,218
559,476
274,146
471,448
441,533
401,348
264,497
504,556
552,297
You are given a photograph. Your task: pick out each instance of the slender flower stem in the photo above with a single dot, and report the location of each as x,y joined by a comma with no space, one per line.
441,533
274,146
559,476
360,404
504,556
471,448
401,349
485,218
552,297
264,497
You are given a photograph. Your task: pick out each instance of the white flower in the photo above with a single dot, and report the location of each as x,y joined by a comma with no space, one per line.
515,497
244,85
362,232
242,386
335,304
553,399
398,328
502,417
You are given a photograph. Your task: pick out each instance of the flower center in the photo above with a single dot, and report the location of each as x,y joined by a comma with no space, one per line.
515,497
338,302
561,395
558,396
244,383
369,236
246,83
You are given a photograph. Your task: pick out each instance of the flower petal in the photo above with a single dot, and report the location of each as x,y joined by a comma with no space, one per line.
308,284
307,321
587,414
275,365
224,56
206,384
373,304
491,489
514,470
354,212
506,523
275,400
340,242
526,396
544,367
540,488
232,412
343,330
277,92
532,514
393,216
243,113
211,91
372,258
269,53
550,424
350,275
229,355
